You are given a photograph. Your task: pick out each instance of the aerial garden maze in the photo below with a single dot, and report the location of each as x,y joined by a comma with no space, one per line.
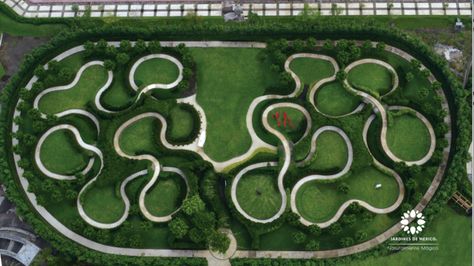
148,148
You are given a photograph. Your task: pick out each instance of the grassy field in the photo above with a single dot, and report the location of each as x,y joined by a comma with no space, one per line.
166,195
102,204
333,99
311,70
258,194
138,137
331,153
60,155
13,27
181,124
319,201
408,138
295,126
156,70
92,79
455,246
371,78
118,95
228,80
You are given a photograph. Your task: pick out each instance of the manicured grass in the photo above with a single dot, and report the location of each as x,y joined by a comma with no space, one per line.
13,27
118,95
258,195
228,80
138,137
319,201
408,138
181,124
60,154
311,70
294,127
103,204
331,153
455,246
333,99
371,78
156,70
280,239
92,79
166,195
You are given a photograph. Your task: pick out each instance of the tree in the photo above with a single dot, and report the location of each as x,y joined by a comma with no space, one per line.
347,241
140,46
298,45
343,187
367,45
314,230
380,47
192,205
348,219
125,46
122,58
341,75
178,227
219,242
335,229
311,43
299,237
312,245
154,47
409,76
415,64
109,65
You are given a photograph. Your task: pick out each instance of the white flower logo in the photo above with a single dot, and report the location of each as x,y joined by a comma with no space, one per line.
416,227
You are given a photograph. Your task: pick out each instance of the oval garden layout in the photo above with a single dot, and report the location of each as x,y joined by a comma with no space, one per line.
223,150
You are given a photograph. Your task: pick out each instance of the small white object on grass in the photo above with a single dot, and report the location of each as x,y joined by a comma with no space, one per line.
377,186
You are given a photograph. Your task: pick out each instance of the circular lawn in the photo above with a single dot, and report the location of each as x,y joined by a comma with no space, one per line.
156,70
332,99
166,195
289,121
372,78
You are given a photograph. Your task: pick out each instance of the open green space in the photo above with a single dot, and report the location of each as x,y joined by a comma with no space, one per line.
311,70
371,78
103,204
454,246
331,153
408,137
138,137
13,27
166,195
293,127
156,70
318,201
77,97
228,80
333,99
61,154
181,123
257,194
119,94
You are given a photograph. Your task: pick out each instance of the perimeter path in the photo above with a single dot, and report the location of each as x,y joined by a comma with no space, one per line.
383,113
61,228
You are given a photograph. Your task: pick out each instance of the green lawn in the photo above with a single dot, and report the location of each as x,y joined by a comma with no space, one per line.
13,27
228,80
371,78
318,201
311,70
257,193
92,79
295,125
408,138
156,70
333,99
181,123
138,137
60,154
103,204
166,195
453,234
118,95
331,153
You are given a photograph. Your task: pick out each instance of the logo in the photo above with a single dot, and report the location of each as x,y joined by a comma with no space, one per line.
418,222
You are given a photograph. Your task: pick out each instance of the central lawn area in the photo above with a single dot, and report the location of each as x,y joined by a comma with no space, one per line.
311,70
371,78
166,195
295,125
156,70
228,80
91,80
318,202
181,124
453,233
103,204
333,99
60,154
408,138
138,137
257,193
331,153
